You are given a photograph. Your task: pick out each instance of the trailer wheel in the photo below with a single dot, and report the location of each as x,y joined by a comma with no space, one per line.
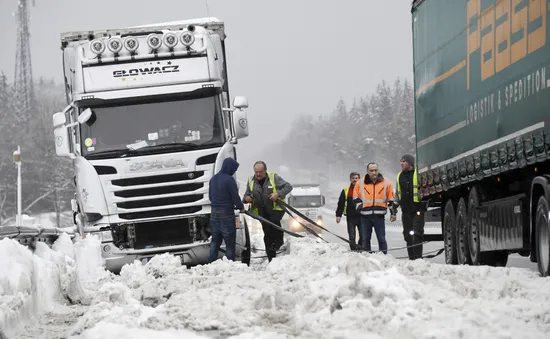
449,234
473,227
543,237
462,252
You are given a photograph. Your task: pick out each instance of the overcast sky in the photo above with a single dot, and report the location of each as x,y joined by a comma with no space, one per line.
289,57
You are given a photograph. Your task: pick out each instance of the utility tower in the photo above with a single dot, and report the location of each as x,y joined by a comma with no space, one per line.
23,81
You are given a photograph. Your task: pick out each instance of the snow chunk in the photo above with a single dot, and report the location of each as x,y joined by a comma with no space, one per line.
106,330
34,283
324,290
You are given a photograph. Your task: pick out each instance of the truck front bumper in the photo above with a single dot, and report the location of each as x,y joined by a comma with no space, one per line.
191,254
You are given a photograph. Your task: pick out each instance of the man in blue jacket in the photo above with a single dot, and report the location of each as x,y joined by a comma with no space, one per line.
224,199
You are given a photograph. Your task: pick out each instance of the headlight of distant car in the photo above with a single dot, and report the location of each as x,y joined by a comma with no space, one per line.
294,223
319,221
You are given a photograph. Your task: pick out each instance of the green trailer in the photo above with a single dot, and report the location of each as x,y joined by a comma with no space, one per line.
482,114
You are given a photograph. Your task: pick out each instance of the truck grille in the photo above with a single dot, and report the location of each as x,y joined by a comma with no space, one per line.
157,179
162,233
160,213
152,196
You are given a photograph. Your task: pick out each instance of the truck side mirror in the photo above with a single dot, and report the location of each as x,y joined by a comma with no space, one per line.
85,116
62,146
59,119
240,124
322,200
240,102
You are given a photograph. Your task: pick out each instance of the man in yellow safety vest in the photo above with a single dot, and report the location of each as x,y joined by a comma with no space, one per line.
262,192
412,209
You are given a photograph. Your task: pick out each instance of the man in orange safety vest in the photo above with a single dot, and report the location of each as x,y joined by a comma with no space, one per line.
371,196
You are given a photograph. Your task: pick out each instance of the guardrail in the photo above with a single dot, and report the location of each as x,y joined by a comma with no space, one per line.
28,235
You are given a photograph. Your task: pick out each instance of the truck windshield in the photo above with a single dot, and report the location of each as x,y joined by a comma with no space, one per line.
306,201
144,127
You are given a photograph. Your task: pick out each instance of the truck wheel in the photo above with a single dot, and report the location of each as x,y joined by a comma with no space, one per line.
245,255
473,227
462,252
543,237
449,234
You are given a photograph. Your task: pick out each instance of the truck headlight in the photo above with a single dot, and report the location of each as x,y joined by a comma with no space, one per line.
92,217
104,236
320,221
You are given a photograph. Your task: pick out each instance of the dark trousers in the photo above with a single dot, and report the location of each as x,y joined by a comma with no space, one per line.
354,223
223,228
273,238
368,222
413,223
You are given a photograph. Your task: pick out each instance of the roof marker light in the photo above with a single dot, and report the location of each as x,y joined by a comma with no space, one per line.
187,38
115,45
170,40
154,41
131,44
97,46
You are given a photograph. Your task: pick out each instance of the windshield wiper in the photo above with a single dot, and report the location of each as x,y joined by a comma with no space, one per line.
172,146
110,153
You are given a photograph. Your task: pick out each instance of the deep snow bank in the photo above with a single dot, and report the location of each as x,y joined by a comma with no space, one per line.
317,291
323,291
32,283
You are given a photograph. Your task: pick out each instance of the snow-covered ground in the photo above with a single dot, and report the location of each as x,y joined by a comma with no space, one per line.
316,290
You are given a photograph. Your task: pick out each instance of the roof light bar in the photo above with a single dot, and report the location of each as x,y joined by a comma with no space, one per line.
97,47
170,39
131,44
187,38
154,41
115,45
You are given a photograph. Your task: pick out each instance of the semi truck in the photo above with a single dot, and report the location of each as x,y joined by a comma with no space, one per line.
482,114
148,122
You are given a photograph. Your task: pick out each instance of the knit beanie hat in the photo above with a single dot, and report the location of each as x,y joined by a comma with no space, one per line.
408,158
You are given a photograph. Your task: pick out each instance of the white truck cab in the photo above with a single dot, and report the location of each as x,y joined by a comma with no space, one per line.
148,123
308,200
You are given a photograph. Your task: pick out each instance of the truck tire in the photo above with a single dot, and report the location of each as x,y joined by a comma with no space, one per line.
543,237
461,238
473,227
449,234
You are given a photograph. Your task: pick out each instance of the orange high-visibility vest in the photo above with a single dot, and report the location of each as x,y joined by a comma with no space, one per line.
374,197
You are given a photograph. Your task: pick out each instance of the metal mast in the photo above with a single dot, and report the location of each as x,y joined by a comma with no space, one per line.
23,81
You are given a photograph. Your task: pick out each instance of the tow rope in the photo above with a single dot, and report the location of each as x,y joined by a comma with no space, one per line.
288,207
262,219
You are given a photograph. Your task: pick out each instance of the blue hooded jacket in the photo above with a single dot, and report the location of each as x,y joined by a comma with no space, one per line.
223,191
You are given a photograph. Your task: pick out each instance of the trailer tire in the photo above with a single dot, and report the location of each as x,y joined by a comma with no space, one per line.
543,237
472,229
461,237
449,234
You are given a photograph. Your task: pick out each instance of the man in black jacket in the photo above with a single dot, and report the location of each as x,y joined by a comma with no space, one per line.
353,218
412,208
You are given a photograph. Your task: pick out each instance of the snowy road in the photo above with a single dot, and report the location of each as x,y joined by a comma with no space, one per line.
316,291
394,237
